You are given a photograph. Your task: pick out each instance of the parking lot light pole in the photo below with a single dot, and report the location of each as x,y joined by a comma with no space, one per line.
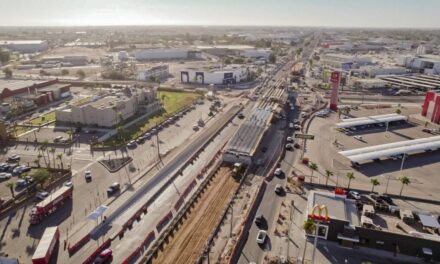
388,181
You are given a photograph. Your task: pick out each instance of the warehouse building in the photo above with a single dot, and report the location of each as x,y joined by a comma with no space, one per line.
107,111
64,61
427,64
159,72
166,54
227,75
24,46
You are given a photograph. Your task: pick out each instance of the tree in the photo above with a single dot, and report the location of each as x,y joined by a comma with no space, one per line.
8,73
339,113
374,183
4,56
309,226
81,74
405,181
313,167
238,61
272,58
41,176
60,157
398,111
328,173
350,176
37,162
227,61
52,150
11,186
64,72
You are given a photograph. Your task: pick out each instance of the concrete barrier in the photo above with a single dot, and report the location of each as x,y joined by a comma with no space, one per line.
74,248
164,221
95,253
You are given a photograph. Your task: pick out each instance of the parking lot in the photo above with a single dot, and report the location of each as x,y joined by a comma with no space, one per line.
421,168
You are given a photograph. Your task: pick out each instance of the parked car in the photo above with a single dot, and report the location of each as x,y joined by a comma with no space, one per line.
21,169
259,220
354,195
104,256
5,176
42,195
263,149
115,187
289,146
240,115
261,236
14,158
88,175
131,167
195,127
140,140
131,144
58,139
289,139
296,145
4,167
278,189
278,172
68,184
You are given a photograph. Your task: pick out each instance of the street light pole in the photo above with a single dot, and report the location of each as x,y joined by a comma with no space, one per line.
315,243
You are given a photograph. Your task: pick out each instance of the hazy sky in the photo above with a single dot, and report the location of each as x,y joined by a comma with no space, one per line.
340,13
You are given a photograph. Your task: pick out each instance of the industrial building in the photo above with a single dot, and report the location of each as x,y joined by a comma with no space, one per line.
431,106
361,224
107,111
14,89
426,64
159,72
166,54
64,61
24,46
227,75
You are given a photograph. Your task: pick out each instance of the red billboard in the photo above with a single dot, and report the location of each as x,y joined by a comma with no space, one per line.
334,78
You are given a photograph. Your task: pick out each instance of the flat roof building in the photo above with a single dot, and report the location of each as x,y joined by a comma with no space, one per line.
227,75
24,46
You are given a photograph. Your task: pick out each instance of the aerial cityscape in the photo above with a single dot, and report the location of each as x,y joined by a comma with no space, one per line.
252,132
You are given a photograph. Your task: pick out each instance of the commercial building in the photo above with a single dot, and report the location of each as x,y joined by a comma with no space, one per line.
156,72
236,50
431,106
24,46
227,75
108,111
13,89
374,224
427,64
166,54
343,61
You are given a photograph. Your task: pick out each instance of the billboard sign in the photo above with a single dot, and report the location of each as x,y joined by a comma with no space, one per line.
335,77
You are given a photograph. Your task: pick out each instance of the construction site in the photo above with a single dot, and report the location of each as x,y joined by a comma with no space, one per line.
188,240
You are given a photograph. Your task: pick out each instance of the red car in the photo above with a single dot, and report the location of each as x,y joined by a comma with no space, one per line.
106,255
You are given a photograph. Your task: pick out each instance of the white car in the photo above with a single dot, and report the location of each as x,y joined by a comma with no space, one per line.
355,195
278,172
261,237
88,175
289,139
5,176
42,195
68,184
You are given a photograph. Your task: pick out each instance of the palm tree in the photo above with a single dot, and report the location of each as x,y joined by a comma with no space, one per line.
11,186
309,226
41,150
313,167
374,183
405,181
350,176
60,157
52,150
328,173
